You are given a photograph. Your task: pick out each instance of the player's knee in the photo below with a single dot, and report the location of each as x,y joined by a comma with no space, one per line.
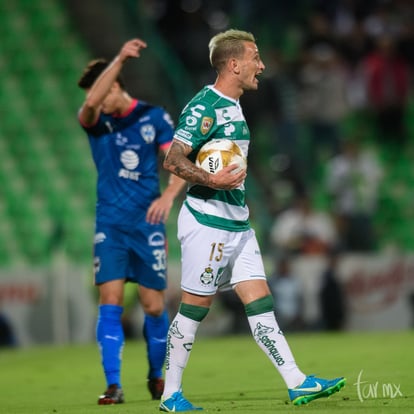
153,309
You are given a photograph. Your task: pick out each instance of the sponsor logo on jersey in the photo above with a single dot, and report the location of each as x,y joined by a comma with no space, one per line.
191,121
130,160
206,124
207,276
148,133
228,114
229,129
185,135
130,175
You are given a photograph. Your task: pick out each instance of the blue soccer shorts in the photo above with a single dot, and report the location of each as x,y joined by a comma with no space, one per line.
137,255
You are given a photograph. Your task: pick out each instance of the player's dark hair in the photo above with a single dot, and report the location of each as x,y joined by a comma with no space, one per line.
93,70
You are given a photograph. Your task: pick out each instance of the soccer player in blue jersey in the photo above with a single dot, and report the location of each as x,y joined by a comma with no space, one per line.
219,249
125,137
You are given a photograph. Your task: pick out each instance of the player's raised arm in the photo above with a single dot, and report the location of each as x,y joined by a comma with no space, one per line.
107,81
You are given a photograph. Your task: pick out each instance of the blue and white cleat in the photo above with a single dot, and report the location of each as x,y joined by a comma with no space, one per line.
177,403
313,388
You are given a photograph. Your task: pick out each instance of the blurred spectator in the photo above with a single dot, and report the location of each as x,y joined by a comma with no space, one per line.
387,85
7,336
352,180
323,103
277,122
332,299
355,45
287,293
301,229
318,31
383,19
283,79
406,37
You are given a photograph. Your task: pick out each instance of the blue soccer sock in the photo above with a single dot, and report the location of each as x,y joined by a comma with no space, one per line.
155,334
110,338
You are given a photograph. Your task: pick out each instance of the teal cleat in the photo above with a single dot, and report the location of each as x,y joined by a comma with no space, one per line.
177,403
313,388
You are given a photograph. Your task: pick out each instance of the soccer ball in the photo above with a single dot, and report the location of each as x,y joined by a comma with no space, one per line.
219,153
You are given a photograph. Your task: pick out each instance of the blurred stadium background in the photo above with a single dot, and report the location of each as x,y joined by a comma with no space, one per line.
47,179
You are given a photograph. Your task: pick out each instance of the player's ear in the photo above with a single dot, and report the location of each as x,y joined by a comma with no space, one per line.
233,66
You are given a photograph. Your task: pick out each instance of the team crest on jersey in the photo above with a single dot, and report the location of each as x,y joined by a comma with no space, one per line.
206,124
207,276
148,133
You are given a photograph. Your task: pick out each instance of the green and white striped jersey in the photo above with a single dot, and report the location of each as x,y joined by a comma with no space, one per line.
212,115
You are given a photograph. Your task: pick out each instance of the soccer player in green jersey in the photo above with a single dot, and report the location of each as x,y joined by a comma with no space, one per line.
219,248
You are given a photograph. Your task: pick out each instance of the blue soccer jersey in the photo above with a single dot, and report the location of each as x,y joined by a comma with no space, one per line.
125,151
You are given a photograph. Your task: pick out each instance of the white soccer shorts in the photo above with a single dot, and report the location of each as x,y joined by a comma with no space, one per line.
215,259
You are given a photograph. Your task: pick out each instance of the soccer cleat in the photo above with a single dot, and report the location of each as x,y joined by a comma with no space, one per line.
156,387
113,395
177,403
313,388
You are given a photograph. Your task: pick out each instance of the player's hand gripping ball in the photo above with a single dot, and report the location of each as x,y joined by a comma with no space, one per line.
219,153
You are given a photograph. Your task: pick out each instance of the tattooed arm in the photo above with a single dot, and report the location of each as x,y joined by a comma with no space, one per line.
177,163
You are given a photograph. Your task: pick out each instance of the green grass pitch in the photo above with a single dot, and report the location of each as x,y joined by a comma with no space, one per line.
224,375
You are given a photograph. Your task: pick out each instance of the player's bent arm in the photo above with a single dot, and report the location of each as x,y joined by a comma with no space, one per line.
160,208
177,163
175,183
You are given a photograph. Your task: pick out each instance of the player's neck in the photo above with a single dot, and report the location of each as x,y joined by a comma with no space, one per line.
228,88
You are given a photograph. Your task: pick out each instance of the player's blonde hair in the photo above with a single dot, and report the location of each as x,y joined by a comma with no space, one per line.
226,45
